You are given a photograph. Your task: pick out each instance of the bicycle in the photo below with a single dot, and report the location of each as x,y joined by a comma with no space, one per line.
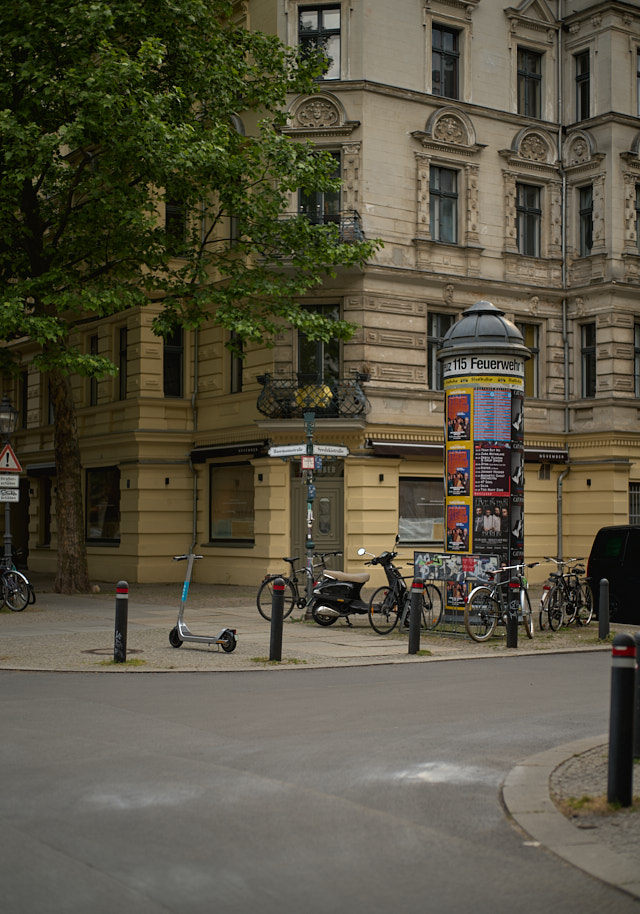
16,591
392,602
568,599
487,604
294,595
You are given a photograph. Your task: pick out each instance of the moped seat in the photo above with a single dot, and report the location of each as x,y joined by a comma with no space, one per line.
359,578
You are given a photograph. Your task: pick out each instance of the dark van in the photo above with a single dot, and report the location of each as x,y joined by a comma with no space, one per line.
615,555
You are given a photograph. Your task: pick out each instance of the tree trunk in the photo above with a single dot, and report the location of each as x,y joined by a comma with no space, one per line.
72,573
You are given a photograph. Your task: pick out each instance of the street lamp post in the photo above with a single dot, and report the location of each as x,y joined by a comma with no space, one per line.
8,422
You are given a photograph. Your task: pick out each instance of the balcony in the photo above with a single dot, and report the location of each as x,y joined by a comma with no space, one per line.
348,221
291,397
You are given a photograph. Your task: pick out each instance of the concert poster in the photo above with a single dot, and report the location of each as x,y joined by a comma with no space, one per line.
457,528
458,416
458,471
491,525
491,469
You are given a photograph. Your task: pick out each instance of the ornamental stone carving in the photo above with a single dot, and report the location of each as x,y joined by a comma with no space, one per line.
450,129
317,112
533,147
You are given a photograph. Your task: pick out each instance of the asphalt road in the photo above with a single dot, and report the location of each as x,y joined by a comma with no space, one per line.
373,789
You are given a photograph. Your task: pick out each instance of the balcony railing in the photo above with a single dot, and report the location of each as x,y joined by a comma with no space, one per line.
348,221
291,397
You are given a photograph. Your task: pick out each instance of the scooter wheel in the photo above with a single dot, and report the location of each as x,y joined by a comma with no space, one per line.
319,617
174,638
228,642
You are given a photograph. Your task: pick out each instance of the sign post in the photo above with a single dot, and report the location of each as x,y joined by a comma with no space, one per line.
483,357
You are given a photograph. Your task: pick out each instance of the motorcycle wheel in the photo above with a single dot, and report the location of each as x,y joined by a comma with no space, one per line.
321,619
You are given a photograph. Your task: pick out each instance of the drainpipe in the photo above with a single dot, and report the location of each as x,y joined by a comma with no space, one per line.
559,510
194,422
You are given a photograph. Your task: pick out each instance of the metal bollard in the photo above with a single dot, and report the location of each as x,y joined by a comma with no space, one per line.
417,591
122,613
623,673
512,614
277,612
636,710
603,610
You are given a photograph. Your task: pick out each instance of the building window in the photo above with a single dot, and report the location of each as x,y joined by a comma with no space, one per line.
93,382
638,82
636,358
319,29
437,326
586,220
443,204
588,358
320,359
235,376
529,217
122,363
445,62
103,505
634,502
638,216
421,510
529,82
231,503
322,206
24,398
44,512
583,74
530,335
172,363
175,223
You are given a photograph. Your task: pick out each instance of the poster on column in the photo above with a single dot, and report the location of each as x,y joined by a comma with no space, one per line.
458,471
458,527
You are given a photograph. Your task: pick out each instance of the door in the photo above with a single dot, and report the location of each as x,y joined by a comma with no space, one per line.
328,513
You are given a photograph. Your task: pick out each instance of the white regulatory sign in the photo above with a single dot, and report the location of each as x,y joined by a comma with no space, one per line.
9,481
330,450
287,450
9,495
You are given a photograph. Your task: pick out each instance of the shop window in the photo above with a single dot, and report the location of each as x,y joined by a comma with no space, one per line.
445,62
588,360
529,82
319,29
231,504
103,505
421,510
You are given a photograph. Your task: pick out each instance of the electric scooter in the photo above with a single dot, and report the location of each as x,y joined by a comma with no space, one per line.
227,638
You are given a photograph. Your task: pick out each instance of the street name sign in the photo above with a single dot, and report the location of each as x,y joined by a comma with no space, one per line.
9,495
330,450
7,481
287,450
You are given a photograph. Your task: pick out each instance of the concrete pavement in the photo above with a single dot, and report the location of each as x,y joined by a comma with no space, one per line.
77,633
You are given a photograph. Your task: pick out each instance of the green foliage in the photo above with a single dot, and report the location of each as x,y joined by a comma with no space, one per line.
105,103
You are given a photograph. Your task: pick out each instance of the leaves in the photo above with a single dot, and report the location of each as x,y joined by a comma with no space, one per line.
103,103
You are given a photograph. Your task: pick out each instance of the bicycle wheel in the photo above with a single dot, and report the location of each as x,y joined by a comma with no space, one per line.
383,611
265,598
431,607
543,617
584,614
481,615
527,615
555,605
16,590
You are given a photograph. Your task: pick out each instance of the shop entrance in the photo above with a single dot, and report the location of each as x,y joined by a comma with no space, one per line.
328,511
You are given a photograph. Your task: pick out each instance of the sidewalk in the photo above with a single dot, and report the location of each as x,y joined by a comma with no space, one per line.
76,633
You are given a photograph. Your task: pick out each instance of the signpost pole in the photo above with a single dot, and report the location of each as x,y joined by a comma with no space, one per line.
309,428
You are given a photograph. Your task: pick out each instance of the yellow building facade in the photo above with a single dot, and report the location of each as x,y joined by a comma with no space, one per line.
495,151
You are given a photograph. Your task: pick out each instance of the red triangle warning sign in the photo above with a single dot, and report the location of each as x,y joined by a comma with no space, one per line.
9,463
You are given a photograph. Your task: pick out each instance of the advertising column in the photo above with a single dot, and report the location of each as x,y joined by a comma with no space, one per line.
483,358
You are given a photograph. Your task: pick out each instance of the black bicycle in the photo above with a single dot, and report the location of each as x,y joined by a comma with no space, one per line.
294,593
16,591
391,603
569,598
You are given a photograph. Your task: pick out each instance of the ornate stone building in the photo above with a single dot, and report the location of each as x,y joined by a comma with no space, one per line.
495,150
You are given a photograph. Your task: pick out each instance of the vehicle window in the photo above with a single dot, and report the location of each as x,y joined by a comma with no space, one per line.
610,545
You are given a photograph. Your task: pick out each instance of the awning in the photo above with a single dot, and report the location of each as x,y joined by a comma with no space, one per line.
246,448
407,448
546,455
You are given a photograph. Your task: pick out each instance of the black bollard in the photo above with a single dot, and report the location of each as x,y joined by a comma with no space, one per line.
513,590
603,610
623,674
417,591
277,613
122,613
636,710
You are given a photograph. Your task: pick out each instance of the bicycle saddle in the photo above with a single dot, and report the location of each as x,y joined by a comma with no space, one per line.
360,577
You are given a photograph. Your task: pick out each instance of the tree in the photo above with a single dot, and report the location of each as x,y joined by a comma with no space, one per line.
106,105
